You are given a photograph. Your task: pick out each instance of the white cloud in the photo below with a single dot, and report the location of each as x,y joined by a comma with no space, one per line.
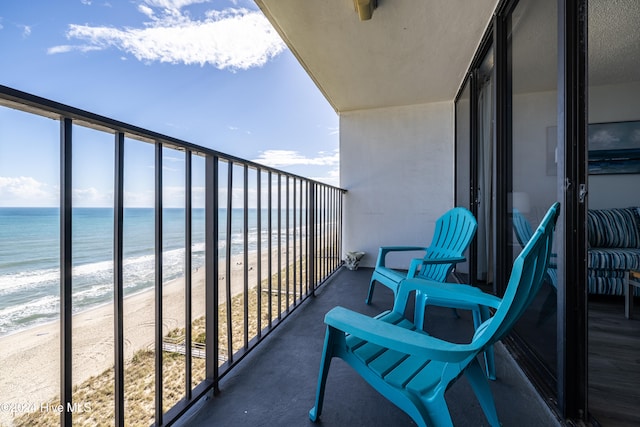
332,177
290,158
227,39
91,197
173,4
282,158
26,31
70,48
26,191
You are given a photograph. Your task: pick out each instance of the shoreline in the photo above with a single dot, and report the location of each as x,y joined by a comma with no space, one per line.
32,353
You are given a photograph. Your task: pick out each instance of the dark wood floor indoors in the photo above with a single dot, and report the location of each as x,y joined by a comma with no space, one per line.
614,363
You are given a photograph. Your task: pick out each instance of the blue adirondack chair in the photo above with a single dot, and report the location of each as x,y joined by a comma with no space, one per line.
412,369
452,235
523,233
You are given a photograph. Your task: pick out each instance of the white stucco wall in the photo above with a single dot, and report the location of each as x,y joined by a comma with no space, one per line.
398,167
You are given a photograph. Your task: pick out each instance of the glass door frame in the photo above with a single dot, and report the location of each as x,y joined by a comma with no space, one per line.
569,389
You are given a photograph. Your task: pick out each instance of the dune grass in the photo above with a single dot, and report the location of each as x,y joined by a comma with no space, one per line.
95,396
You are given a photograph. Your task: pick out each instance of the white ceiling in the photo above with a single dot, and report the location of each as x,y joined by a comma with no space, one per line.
417,51
614,41
410,52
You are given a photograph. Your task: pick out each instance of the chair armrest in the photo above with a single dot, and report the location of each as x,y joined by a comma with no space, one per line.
416,262
384,250
453,292
397,338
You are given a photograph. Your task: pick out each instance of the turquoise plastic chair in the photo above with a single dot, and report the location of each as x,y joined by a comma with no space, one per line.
523,230
412,369
451,238
523,233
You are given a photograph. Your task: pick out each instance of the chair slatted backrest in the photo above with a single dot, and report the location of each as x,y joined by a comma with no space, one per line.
452,235
522,227
526,278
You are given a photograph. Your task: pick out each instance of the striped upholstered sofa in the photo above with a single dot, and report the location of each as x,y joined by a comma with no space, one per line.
614,248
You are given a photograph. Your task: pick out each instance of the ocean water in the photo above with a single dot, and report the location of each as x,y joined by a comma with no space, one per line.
30,256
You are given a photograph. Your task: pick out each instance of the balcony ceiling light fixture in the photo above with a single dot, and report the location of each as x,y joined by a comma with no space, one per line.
364,8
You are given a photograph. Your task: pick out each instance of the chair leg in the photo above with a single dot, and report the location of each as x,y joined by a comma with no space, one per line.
479,316
490,363
325,364
438,411
480,386
370,294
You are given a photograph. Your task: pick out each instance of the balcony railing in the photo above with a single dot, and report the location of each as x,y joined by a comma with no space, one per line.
264,238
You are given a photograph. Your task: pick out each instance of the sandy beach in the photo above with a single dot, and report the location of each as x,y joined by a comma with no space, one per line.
30,358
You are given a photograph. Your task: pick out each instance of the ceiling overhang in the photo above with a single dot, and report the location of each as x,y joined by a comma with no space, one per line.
409,52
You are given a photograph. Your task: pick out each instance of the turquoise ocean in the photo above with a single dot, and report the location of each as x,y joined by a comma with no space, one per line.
30,256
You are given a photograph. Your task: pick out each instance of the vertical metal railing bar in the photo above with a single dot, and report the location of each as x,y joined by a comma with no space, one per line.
328,231
286,242
334,223
326,222
66,264
307,233
301,244
246,256
279,211
295,233
259,249
158,283
227,274
303,239
323,228
332,230
212,270
319,225
336,252
188,229
311,276
270,247
340,228
318,232
336,255
323,232
118,280
318,216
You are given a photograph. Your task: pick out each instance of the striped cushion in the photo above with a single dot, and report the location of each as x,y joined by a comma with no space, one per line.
608,285
614,259
614,228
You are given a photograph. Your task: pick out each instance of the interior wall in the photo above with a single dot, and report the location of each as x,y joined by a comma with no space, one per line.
397,165
610,103
534,153
614,103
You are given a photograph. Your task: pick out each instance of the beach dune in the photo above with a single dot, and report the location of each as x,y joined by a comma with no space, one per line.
30,358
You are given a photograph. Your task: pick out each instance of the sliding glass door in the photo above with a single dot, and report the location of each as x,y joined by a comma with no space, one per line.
532,187
475,147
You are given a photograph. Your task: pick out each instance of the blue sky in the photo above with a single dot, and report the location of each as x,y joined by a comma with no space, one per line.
211,72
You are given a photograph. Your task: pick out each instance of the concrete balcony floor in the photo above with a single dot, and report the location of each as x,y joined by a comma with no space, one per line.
276,385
